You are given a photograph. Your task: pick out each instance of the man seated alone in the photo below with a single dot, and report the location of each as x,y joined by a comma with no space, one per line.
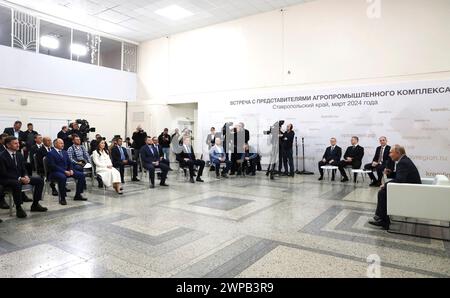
151,159
13,176
120,159
331,157
79,157
406,172
187,159
353,157
217,156
380,162
61,169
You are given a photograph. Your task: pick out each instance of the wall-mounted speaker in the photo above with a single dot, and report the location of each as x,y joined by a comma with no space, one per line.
23,101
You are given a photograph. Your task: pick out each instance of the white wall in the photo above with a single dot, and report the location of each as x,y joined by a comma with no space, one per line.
108,117
322,43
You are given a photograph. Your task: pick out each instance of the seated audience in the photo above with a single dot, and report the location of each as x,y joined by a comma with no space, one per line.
13,176
353,157
78,154
151,159
34,149
104,168
187,159
247,161
380,162
160,151
331,157
40,154
120,159
217,156
3,204
61,168
406,172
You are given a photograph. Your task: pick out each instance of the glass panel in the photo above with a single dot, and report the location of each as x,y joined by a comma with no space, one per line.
85,47
5,26
25,31
111,53
130,57
54,40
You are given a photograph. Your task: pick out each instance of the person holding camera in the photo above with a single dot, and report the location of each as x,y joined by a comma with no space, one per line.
287,143
64,136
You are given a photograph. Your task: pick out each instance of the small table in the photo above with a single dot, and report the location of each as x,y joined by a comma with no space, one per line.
362,172
329,169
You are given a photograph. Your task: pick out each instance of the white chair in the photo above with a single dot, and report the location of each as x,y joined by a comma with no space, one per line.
329,169
8,193
362,172
429,201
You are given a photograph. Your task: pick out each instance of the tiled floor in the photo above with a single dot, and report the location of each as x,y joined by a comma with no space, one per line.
240,227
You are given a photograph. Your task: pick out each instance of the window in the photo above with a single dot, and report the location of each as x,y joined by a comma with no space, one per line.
130,57
54,40
25,31
5,26
111,53
85,47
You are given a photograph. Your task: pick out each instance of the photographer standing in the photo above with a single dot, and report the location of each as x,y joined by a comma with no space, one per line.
139,137
75,131
287,143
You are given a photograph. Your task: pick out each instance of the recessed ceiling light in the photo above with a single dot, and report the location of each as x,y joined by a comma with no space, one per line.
49,42
174,12
78,50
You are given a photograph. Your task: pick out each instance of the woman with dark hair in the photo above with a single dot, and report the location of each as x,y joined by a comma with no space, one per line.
104,167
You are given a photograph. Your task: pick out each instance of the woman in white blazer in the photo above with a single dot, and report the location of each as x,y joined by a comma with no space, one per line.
104,168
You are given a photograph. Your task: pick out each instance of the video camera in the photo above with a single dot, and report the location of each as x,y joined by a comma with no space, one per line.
278,123
84,129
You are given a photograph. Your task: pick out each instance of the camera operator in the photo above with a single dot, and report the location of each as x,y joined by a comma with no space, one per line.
64,135
74,131
139,138
281,150
287,143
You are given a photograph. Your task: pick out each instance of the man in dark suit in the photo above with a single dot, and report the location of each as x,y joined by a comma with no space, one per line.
40,154
331,157
60,168
187,159
287,144
34,149
120,159
3,136
3,204
151,160
353,157
160,150
380,162
406,172
13,176
16,132
64,135
29,136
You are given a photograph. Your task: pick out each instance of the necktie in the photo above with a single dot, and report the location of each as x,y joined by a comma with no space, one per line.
60,153
332,149
187,149
122,155
380,159
14,159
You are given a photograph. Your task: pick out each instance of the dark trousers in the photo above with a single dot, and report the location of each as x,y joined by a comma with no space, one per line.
356,164
382,205
151,172
379,169
288,158
192,163
234,163
61,179
16,187
227,168
281,159
249,166
327,163
121,168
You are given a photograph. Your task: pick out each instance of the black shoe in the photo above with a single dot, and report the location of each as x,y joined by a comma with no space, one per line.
123,182
253,174
55,193
4,205
224,175
199,180
192,180
20,213
135,180
376,218
345,179
38,208
80,198
1,221
333,179
380,223
152,186
26,199
375,184
68,190
232,174
164,184
217,176
63,202
320,178
170,170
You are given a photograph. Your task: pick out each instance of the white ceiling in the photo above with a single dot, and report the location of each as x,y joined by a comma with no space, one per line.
136,19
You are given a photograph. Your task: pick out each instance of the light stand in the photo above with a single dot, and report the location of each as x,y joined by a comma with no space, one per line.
304,172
